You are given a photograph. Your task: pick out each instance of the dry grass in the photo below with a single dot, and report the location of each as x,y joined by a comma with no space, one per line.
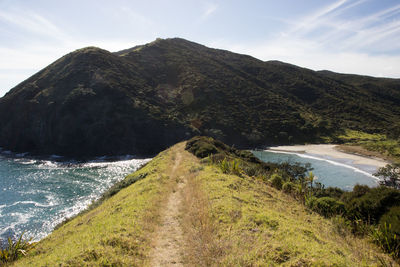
203,246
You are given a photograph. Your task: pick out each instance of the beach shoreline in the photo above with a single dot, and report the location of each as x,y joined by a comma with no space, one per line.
331,150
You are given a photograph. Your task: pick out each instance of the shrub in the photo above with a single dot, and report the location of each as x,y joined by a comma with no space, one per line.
373,204
14,249
385,237
310,202
360,190
251,170
288,187
276,181
333,192
201,146
392,217
389,227
326,206
235,169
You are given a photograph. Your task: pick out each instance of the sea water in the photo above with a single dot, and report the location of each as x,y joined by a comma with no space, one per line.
342,173
36,195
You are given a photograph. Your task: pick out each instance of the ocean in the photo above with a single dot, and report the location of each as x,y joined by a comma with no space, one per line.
342,173
36,195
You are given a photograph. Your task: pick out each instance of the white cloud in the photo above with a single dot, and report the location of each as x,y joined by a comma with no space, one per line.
33,23
368,32
313,20
309,54
210,9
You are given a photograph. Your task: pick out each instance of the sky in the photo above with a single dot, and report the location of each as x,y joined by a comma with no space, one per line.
347,36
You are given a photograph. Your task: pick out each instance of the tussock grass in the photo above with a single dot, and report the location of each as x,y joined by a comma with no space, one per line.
14,249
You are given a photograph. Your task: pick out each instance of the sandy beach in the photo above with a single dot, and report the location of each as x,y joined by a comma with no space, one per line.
331,151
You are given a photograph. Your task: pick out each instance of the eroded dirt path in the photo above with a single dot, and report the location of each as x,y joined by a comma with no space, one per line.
168,237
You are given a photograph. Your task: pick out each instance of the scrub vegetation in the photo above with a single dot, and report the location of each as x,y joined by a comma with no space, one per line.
371,213
141,100
372,145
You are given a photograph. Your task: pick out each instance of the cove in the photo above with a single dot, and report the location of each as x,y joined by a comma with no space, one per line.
341,173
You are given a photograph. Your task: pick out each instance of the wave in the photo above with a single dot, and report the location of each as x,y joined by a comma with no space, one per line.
21,219
30,202
302,155
45,214
1,209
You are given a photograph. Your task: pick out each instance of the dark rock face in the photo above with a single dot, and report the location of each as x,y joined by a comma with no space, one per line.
139,101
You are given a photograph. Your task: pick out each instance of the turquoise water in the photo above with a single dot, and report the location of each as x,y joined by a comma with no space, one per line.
36,195
334,172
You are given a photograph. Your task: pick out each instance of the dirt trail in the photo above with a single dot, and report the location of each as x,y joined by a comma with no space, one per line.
168,237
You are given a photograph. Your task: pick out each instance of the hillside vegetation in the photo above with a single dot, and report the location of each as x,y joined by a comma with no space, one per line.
221,216
141,100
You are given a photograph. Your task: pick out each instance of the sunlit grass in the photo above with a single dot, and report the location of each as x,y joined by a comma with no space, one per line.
378,145
115,233
228,220
260,225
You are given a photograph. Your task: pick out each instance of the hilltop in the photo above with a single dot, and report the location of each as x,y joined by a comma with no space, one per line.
183,210
139,101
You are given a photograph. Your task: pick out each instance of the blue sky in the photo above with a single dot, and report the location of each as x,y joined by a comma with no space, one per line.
349,36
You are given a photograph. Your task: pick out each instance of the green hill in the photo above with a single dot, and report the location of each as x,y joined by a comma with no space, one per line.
141,100
185,211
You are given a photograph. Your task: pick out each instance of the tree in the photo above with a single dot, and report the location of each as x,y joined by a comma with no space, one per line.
311,178
390,174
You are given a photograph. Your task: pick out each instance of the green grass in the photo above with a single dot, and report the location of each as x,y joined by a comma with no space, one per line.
259,225
382,145
352,136
228,220
115,233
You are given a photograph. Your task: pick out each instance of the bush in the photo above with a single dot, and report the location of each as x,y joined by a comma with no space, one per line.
392,217
373,204
385,237
224,166
389,236
326,206
310,202
333,192
201,147
288,187
276,181
14,250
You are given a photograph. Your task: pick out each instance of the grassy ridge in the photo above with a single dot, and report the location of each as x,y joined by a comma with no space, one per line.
228,220
257,225
113,234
